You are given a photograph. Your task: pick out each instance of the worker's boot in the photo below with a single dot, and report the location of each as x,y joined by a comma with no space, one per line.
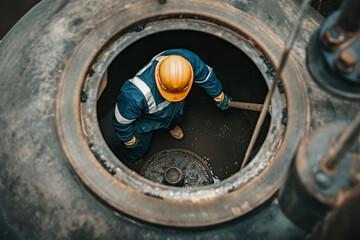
177,133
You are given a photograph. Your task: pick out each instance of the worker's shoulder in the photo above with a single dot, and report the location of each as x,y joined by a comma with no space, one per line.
131,90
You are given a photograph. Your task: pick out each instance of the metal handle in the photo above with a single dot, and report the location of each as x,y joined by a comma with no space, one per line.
247,106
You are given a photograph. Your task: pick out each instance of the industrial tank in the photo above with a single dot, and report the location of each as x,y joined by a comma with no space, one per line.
62,175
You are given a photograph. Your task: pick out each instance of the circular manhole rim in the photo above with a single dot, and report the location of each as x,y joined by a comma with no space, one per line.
209,205
95,138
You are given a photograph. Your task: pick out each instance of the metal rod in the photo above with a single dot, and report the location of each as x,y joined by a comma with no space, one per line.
284,57
247,106
344,143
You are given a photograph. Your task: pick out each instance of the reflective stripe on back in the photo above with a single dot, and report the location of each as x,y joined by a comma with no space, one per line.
146,91
162,105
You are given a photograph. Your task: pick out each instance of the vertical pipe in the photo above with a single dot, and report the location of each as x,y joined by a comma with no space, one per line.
344,143
349,19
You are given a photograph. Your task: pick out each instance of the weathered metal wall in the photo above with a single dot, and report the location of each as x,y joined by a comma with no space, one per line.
39,197
12,10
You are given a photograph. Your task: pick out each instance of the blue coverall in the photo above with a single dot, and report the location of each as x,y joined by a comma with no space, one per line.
140,109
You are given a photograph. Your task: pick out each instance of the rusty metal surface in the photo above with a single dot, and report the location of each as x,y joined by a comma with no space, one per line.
342,145
266,189
330,41
247,106
195,170
342,222
316,189
345,62
310,164
184,202
333,60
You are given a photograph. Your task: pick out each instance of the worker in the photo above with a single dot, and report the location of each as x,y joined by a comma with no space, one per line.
154,98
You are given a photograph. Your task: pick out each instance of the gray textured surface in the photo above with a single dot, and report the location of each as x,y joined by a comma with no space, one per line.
40,197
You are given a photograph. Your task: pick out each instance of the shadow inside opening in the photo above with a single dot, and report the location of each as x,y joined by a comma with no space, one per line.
219,137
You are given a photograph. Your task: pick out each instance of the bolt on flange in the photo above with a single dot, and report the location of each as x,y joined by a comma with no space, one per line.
346,61
332,39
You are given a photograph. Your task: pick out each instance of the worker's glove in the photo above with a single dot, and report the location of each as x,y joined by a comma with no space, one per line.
222,101
132,144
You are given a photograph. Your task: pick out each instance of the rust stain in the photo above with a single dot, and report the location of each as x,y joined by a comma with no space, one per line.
236,211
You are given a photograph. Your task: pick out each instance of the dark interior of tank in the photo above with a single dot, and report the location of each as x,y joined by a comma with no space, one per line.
219,137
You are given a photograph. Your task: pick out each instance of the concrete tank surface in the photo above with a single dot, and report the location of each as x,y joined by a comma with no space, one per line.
63,175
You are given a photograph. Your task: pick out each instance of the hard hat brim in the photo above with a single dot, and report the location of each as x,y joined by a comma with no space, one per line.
172,97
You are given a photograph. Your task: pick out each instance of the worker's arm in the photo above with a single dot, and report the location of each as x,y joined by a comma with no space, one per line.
222,101
128,107
205,76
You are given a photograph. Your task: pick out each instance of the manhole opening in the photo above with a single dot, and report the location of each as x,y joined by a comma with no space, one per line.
219,137
109,176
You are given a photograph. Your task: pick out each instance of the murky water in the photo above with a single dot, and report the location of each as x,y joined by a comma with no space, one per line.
220,137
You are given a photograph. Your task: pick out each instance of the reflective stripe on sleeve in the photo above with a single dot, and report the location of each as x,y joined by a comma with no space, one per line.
120,118
207,77
141,85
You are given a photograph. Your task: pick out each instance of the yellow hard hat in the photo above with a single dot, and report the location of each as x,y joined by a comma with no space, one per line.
174,77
